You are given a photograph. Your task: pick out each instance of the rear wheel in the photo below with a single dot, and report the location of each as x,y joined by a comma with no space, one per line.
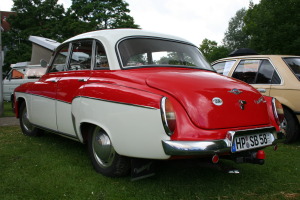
26,126
103,155
290,125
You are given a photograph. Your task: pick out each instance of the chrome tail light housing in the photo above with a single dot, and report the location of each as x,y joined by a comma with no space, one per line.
168,116
278,111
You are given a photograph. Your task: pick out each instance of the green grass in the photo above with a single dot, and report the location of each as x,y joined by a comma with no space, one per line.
52,167
8,112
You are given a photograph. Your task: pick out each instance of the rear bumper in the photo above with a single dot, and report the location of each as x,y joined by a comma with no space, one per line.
210,147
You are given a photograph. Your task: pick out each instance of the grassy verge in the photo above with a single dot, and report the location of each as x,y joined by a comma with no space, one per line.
8,112
52,167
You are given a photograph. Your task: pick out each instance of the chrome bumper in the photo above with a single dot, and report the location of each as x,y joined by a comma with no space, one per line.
210,147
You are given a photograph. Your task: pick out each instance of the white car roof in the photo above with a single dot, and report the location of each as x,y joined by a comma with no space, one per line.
110,38
114,35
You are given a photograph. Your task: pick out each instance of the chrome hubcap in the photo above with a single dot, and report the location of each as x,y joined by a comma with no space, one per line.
102,148
283,124
25,121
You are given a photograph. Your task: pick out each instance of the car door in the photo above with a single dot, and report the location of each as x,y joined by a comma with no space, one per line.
43,98
260,73
78,72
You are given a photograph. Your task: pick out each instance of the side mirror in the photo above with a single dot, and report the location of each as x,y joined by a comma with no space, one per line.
43,63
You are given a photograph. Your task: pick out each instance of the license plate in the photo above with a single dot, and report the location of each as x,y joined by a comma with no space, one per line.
246,142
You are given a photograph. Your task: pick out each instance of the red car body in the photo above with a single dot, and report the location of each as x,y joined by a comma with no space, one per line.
153,111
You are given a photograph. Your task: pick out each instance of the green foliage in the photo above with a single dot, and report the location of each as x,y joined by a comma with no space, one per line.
235,37
48,19
212,51
53,167
273,26
34,17
103,14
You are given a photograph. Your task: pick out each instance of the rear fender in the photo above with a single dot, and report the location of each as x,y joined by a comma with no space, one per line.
120,94
131,118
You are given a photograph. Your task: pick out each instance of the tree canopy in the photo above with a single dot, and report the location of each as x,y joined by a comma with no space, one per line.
46,18
103,14
269,27
212,51
273,26
235,37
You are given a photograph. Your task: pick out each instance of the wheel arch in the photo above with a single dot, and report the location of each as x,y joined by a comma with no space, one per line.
85,127
19,102
292,112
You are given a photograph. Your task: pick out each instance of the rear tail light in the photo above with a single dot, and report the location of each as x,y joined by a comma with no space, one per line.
168,116
278,111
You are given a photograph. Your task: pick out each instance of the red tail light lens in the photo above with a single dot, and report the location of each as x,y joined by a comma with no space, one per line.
278,111
168,116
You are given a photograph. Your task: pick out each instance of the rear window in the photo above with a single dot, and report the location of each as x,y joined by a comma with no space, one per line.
294,65
151,52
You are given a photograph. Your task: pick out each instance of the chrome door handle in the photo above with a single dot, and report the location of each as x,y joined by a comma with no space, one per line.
262,90
54,80
83,80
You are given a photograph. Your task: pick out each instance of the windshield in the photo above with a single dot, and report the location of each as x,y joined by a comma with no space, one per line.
149,52
294,65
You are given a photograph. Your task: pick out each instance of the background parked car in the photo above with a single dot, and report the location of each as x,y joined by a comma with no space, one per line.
273,75
23,72
19,74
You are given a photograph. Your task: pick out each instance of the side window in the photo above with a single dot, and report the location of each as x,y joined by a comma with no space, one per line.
256,72
60,59
101,58
265,73
15,74
224,67
219,67
247,70
81,56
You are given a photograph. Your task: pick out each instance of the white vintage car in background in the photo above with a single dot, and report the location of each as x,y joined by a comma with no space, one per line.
20,73
31,71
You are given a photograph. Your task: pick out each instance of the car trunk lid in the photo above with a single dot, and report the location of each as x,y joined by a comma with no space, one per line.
213,101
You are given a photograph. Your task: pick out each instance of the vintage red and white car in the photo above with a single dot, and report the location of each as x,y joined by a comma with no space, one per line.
132,94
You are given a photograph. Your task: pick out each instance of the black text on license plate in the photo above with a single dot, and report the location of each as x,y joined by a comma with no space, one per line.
246,142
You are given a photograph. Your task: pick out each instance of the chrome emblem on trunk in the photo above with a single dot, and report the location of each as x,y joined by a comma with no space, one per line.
217,101
235,91
242,104
260,100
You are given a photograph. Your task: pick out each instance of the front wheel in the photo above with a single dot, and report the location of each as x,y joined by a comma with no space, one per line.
103,155
26,126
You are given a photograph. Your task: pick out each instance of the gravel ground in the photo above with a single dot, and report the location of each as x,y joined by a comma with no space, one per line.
9,121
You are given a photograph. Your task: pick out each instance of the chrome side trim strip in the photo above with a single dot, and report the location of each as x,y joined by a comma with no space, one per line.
128,104
58,133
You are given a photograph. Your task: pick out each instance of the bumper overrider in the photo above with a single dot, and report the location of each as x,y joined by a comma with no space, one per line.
211,147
